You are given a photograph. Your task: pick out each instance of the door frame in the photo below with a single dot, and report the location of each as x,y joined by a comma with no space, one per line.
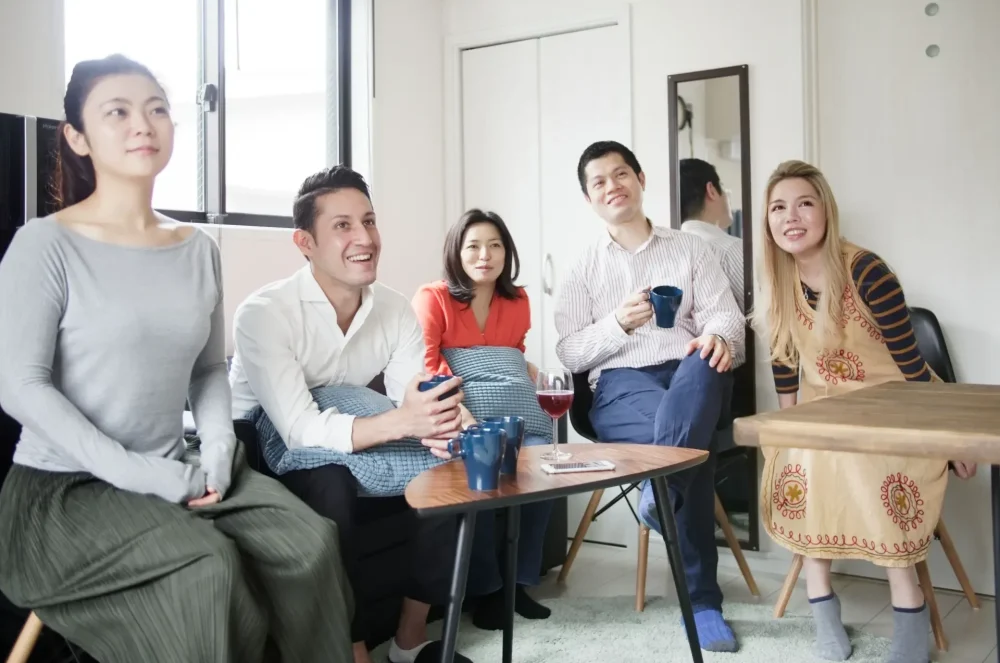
456,44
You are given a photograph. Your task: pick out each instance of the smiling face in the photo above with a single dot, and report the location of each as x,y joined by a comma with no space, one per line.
483,253
614,190
796,217
344,244
127,129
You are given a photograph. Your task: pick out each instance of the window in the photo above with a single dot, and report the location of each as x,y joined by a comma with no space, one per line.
260,94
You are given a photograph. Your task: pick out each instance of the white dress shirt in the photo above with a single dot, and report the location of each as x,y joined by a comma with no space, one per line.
288,342
590,338
730,251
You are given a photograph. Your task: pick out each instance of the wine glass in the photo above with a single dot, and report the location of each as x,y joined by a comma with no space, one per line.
554,388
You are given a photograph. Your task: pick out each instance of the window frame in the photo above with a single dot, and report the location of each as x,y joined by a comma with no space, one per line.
212,121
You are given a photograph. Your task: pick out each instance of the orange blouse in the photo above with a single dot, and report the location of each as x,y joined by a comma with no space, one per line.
448,323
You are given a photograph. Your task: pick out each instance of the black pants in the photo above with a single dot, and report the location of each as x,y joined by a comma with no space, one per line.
332,491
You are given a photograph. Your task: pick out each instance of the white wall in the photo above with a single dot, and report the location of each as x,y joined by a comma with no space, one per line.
407,137
911,146
31,57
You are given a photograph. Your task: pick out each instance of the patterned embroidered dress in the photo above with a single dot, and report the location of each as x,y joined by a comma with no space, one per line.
836,505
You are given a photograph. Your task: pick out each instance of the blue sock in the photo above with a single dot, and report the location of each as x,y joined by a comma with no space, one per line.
714,633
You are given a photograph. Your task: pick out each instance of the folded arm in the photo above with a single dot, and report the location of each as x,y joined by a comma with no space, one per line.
33,294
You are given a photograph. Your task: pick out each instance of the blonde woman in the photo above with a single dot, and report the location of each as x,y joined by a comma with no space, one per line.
835,313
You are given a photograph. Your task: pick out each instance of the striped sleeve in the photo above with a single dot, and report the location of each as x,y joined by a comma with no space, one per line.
881,292
786,378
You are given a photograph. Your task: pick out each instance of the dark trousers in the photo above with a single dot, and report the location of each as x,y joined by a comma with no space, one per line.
678,404
484,564
332,491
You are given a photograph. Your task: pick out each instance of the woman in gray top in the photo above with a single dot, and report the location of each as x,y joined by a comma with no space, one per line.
115,535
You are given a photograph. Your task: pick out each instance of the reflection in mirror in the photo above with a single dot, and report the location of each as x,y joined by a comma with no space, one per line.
710,195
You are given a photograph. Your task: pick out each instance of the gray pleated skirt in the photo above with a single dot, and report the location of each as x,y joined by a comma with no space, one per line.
133,578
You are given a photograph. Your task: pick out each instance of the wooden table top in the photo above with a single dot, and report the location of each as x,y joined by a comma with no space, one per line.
921,419
445,489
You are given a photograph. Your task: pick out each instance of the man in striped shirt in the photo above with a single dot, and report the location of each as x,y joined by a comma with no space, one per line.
653,385
706,213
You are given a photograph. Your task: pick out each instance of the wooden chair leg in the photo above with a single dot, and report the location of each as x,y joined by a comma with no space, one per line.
937,626
956,564
786,590
581,531
734,545
640,573
25,643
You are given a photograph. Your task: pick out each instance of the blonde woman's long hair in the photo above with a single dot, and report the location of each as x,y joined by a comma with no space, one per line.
778,282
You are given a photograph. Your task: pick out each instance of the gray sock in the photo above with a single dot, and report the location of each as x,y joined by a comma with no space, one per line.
831,643
909,635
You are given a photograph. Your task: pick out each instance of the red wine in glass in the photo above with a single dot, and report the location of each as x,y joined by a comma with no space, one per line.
554,389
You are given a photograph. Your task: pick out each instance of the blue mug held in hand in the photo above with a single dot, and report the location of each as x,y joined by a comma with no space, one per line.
514,427
427,385
482,451
666,300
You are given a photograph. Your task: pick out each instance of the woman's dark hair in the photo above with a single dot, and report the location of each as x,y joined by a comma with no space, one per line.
74,177
459,284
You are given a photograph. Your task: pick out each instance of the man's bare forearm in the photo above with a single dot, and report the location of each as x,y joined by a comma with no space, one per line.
372,431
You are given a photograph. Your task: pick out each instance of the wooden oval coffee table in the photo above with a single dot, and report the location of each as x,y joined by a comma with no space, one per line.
443,490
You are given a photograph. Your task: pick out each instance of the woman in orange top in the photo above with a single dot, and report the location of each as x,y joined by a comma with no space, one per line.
477,304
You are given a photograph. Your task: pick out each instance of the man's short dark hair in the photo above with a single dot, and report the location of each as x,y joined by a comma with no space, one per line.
600,149
695,174
326,181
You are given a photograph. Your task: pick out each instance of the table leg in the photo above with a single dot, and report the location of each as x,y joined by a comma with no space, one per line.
510,580
669,528
459,575
995,486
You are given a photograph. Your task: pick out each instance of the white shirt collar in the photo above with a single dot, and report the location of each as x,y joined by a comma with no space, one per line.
703,228
657,231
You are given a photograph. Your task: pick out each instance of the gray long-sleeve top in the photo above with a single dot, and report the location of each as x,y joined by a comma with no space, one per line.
100,344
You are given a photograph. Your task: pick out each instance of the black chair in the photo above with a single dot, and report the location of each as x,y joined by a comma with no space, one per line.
579,416
930,341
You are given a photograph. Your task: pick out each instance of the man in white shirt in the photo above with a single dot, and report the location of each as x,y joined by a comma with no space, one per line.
332,324
705,208
664,386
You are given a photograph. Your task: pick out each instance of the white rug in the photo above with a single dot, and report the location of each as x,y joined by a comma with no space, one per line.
609,630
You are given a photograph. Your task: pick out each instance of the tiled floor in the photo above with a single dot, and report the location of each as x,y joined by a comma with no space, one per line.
607,571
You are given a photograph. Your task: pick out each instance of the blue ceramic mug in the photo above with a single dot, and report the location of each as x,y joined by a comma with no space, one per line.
482,451
666,300
514,427
427,385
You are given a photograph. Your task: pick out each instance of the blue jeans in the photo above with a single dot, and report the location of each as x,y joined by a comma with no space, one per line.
485,575
679,404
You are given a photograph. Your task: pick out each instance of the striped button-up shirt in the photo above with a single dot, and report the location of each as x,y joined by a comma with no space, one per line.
590,338
729,250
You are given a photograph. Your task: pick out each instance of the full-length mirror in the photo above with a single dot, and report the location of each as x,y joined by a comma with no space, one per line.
709,124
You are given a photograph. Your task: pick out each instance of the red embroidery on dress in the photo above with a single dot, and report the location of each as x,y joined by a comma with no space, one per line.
838,366
803,319
853,312
901,499
843,541
790,490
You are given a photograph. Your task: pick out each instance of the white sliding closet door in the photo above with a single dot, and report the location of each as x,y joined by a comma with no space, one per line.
500,155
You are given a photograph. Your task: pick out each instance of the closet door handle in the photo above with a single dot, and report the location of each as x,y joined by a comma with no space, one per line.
548,269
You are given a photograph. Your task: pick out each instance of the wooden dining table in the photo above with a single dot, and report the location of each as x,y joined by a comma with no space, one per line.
940,420
444,490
